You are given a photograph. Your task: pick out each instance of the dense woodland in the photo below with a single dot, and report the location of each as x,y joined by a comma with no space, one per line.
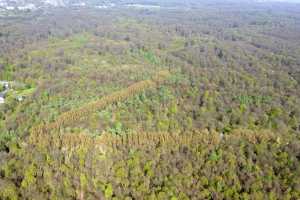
124,103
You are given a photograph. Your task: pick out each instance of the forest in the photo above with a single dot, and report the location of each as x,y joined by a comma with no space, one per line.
179,103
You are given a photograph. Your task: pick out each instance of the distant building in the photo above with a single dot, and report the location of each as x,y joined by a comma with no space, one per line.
6,86
4,83
20,98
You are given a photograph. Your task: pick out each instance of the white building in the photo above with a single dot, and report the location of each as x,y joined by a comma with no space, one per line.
10,8
27,7
2,100
20,98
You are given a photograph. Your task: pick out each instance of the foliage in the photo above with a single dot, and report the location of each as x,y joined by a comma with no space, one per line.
151,104
185,165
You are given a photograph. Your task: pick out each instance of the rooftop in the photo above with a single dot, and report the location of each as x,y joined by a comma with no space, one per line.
2,100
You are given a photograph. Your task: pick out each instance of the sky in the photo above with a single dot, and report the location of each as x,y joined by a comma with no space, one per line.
292,1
